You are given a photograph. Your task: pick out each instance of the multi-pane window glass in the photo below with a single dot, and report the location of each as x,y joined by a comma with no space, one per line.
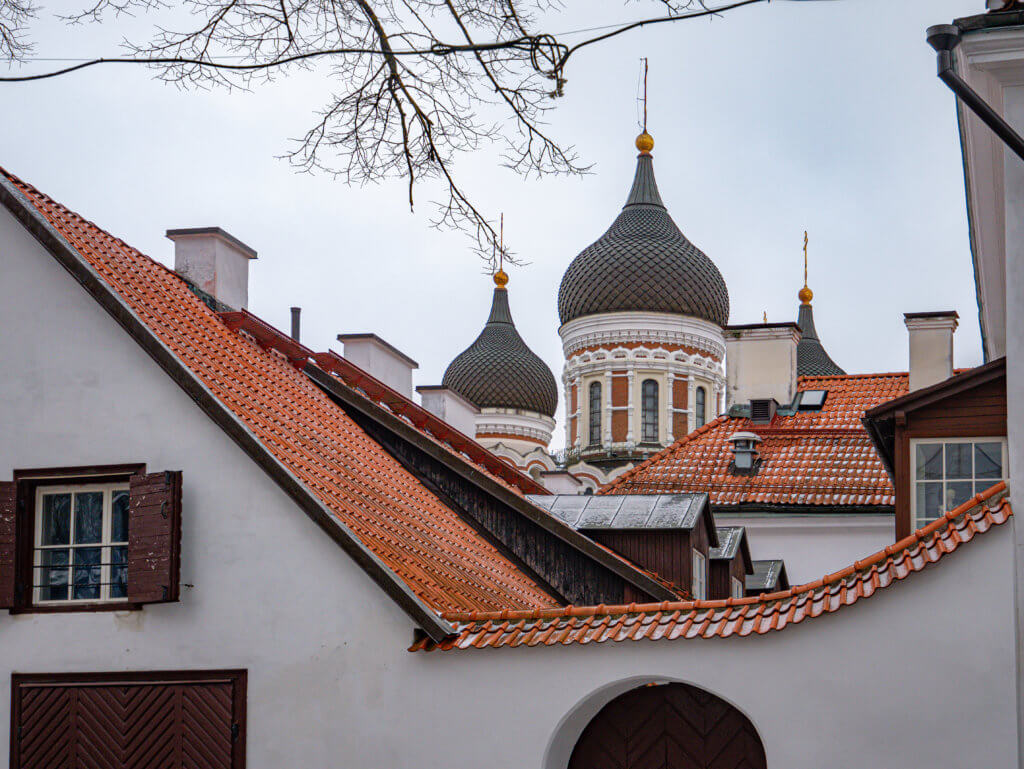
81,543
737,588
649,411
594,437
700,407
948,473
700,576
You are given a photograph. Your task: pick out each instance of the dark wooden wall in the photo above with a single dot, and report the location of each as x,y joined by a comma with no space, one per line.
571,575
665,552
979,412
720,575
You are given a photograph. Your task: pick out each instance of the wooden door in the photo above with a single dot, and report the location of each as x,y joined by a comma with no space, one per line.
129,721
670,726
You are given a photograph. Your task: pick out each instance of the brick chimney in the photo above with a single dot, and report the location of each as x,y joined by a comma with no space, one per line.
381,361
760,362
214,261
931,346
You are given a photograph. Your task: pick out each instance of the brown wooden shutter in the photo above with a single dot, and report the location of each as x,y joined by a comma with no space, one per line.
154,537
8,548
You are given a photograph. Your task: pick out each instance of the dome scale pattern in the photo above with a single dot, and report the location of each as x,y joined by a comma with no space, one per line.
643,263
499,371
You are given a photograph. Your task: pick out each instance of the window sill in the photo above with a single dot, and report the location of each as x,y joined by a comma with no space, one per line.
78,608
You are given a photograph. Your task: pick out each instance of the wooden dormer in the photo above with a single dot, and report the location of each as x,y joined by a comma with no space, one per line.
943,441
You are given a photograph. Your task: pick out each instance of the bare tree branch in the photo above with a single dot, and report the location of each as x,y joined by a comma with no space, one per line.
420,82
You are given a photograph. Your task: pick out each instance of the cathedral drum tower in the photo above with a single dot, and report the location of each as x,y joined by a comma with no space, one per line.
642,313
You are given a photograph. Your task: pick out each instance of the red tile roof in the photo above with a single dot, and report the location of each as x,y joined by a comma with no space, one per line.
809,458
439,556
734,616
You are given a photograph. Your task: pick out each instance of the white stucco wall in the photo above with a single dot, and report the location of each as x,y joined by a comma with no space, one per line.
812,545
916,676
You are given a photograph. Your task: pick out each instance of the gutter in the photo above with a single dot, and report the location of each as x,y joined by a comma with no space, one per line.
111,301
945,38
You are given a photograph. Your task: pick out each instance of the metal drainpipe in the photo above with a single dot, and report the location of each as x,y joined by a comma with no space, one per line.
944,38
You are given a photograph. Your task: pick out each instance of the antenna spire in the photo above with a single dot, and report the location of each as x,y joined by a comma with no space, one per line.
805,295
501,277
645,142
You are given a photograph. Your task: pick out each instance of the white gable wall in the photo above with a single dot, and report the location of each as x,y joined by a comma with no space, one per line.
916,676
263,587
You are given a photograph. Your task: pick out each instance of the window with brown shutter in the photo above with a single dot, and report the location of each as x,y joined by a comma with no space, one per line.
154,537
80,539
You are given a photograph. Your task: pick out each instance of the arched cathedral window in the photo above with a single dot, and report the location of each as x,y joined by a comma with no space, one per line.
700,407
594,436
649,411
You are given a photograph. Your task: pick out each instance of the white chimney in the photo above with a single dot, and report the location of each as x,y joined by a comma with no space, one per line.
760,361
448,406
215,261
380,360
931,346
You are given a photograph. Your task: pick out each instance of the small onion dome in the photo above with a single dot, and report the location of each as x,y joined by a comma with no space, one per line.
811,357
643,263
498,370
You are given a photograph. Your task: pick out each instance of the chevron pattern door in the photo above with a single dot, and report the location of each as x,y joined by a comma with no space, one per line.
670,726
134,721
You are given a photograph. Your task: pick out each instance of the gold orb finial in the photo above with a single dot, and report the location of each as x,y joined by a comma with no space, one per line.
501,279
645,143
805,295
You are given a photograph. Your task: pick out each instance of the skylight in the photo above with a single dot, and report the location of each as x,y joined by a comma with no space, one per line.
812,400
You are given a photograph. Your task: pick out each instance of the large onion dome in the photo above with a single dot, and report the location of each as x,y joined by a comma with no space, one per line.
643,262
498,370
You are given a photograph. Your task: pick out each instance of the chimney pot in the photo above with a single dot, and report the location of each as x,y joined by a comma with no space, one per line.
296,318
214,261
448,406
931,346
381,360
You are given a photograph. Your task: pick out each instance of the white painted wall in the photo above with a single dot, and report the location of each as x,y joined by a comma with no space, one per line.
912,677
761,363
812,545
382,361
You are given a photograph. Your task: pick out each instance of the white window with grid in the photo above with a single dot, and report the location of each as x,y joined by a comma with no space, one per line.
948,472
700,576
80,552
736,590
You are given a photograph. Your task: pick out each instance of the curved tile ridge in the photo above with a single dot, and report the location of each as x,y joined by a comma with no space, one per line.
733,616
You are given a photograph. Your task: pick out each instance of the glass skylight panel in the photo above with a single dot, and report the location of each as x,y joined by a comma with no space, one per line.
812,400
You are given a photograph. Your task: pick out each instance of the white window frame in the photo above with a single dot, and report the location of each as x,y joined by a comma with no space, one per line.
915,442
737,589
105,544
699,578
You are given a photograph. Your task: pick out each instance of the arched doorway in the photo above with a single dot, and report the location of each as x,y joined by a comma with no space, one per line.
668,726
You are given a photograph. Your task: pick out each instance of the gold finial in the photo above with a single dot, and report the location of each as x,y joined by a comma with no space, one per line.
501,277
766,316
805,295
645,142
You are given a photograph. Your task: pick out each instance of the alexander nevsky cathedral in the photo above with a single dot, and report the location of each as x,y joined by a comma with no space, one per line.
644,316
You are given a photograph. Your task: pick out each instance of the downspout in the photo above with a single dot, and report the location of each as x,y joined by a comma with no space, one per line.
944,38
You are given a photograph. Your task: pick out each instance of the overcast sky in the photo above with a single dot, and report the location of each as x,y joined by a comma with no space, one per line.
770,120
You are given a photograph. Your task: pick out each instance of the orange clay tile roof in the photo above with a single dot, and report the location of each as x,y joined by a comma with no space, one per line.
734,616
809,458
440,557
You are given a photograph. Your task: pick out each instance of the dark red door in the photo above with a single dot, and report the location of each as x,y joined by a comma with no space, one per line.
129,721
669,726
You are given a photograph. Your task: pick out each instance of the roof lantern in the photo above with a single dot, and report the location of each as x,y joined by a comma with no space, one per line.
643,262
498,370
811,357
